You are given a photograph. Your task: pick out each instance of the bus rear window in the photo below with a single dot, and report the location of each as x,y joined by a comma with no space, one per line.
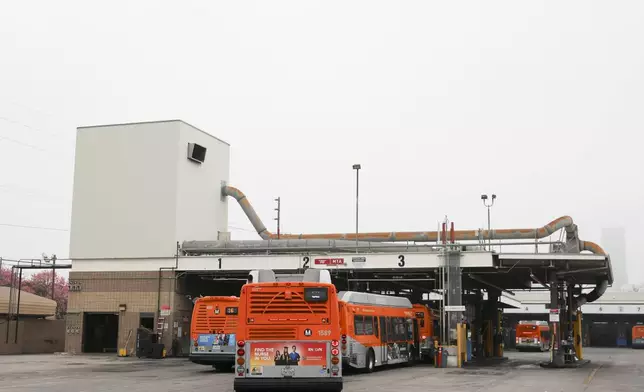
526,330
316,294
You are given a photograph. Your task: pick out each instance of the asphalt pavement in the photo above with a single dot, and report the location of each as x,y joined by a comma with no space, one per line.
610,370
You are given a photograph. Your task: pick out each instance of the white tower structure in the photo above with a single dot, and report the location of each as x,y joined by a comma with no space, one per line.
139,188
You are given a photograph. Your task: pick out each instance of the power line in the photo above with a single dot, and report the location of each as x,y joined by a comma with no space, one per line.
32,227
34,129
22,143
241,229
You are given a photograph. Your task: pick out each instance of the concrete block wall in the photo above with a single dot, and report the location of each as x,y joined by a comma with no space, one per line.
35,336
106,291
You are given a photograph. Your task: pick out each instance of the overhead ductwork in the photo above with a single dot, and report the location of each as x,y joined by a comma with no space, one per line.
565,222
602,284
573,244
253,246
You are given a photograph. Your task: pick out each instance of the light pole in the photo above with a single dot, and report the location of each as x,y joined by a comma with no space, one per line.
484,198
357,168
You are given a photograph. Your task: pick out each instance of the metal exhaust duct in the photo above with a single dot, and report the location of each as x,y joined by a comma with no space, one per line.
573,243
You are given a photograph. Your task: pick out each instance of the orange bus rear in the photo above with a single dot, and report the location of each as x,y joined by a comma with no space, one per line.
289,334
532,335
426,331
212,331
377,330
638,336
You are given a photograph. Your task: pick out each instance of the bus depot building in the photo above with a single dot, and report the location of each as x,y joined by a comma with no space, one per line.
149,235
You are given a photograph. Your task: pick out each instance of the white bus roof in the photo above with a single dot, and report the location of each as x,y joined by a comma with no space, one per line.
354,297
533,322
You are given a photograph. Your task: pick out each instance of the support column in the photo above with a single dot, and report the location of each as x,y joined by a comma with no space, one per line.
477,325
556,354
453,293
492,315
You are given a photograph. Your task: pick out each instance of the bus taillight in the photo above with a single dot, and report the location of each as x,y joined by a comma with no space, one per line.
240,361
241,352
241,343
335,360
335,343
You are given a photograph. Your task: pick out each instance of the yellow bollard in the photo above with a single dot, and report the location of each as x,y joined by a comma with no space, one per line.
577,332
499,347
488,336
459,346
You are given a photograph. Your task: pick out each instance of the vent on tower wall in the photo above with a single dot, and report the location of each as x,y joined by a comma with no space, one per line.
196,152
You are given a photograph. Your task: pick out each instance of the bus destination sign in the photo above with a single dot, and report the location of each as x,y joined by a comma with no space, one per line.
333,261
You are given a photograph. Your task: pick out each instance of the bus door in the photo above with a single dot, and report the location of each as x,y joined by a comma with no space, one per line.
384,332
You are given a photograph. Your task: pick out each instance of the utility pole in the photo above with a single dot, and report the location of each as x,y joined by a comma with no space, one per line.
53,277
278,209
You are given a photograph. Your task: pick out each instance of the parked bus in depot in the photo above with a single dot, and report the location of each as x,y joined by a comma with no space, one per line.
426,331
212,332
638,336
289,334
532,335
377,330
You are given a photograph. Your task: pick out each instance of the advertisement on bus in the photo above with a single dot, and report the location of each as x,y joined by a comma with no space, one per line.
211,340
286,354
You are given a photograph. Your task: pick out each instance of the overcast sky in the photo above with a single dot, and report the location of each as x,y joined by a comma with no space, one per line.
440,101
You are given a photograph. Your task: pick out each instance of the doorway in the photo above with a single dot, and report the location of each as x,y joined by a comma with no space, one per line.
100,332
146,320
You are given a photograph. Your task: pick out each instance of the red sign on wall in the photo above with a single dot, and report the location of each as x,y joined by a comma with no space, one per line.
336,261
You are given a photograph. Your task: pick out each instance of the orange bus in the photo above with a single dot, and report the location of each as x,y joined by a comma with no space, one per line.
377,330
212,331
289,334
638,336
426,331
532,335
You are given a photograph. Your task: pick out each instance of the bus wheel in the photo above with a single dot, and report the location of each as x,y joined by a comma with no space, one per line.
412,356
371,361
221,368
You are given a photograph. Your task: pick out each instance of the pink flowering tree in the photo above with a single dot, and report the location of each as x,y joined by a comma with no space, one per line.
5,276
40,284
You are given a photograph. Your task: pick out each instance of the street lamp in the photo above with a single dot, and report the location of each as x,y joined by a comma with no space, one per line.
357,168
489,205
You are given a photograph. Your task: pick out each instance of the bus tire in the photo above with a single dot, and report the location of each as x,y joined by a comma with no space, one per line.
222,368
412,356
371,361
